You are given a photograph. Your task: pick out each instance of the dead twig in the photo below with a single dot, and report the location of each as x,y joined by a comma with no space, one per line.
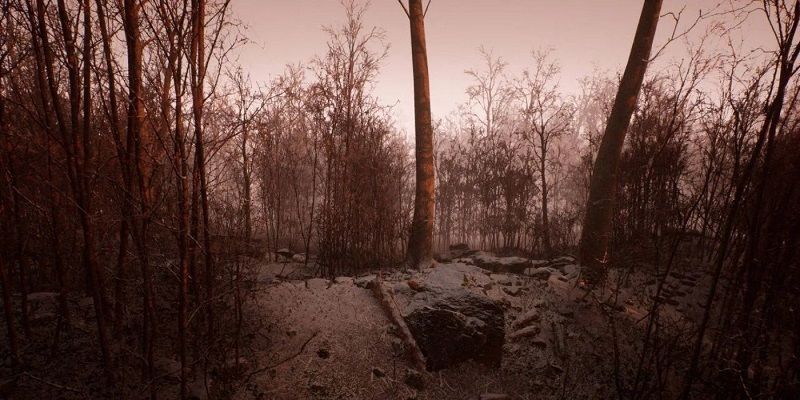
56,385
268,367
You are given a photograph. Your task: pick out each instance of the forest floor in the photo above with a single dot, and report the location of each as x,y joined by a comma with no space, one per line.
331,339
318,338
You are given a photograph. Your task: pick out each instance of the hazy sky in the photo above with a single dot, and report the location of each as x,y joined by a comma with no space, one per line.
584,34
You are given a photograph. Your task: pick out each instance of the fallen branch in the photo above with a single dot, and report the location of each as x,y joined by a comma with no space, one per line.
385,297
55,385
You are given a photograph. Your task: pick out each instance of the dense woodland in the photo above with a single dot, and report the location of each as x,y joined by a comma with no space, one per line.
144,169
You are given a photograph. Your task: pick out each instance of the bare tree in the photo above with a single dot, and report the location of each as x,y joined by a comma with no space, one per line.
546,117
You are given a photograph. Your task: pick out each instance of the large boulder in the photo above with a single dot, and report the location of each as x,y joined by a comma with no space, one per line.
454,251
455,325
494,263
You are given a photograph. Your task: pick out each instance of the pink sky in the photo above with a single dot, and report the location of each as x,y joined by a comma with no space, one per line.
584,34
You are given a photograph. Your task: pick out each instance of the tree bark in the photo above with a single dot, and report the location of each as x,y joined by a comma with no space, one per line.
420,243
136,169
596,235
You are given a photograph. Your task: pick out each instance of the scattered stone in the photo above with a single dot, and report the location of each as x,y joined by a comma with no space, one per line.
555,368
542,273
565,311
512,348
464,260
525,319
512,290
401,288
501,279
285,253
414,379
565,258
539,342
317,388
416,286
364,282
571,270
343,280
532,330
317,284
299,258
86,302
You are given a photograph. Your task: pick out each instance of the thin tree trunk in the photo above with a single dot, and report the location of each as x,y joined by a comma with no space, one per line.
548,249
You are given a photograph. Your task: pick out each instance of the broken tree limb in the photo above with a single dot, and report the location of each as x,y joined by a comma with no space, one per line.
385,297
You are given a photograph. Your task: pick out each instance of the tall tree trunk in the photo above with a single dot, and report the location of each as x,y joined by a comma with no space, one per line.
5,285
85,198
596,235
122,154
420,243
136,168
182,182
198,69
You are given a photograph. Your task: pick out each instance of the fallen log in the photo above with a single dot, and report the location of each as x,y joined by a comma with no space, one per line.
386,299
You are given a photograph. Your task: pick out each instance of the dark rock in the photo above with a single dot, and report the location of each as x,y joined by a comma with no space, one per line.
539,342
414,379
453,252
318,388
379,373
566,310
542,273
285,253
526,319
323,353
463,247
457,325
